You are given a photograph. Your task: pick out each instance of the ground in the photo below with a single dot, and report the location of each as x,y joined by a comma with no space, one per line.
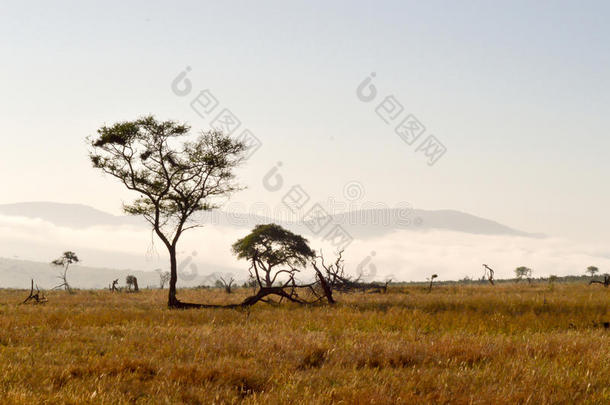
477,344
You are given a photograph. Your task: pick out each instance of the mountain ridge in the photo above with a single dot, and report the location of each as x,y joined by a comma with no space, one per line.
360,223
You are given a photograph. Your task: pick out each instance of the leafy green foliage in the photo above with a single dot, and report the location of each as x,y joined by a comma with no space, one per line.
269,246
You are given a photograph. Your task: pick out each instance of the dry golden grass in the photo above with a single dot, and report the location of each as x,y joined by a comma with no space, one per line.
464,344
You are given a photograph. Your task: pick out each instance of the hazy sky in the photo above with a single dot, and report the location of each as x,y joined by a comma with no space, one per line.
518,92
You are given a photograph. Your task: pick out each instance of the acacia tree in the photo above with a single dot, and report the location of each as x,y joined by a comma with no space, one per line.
174,178
66,259
592,270
273,251
132,282
523,271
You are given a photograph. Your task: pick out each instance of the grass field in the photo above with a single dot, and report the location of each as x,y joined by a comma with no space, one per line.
513,343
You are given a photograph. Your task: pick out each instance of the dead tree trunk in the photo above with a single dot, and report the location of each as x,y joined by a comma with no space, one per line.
431,281
489,273
248,302
64,281
328,292
38,298
113,286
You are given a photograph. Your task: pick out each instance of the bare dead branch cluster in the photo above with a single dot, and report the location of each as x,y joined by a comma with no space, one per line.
226,284
335,278
164,277
329,278
38,298
113,287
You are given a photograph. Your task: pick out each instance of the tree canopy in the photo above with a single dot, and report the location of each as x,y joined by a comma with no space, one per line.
523,271
269,247
592,270
66,259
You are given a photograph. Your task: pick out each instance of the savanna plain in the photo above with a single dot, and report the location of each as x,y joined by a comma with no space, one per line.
462,344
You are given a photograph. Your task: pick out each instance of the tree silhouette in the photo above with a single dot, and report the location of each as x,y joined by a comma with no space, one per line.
592,270
523,271
432,277
226,284
174,180
273,251
132,283
164,277
488,273
66,259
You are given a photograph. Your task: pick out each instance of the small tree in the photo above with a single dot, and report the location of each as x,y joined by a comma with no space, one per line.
173,180
592,270
432,277
273,251
164,277
65,261
523,271
132,283
226,284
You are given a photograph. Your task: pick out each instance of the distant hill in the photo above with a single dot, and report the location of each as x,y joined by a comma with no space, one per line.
360,224
67,215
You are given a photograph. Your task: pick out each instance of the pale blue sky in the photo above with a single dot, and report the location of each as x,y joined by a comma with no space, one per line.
518,92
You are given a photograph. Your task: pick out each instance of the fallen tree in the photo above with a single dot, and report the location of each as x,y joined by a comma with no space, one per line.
277,254
334,278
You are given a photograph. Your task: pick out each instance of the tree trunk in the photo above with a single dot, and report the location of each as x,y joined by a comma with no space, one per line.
172,300
325,287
